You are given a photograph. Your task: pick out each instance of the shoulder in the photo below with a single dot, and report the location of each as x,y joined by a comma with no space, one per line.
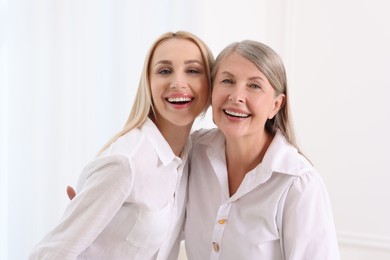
108,161
304,165
128,144
108,170
207,136
308,175
305,177
299,177
116,160
300,167
282,157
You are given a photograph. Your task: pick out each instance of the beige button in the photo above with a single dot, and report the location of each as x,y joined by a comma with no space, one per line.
216,247
222,221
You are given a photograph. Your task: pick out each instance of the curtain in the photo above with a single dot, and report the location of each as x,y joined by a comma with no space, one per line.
68,74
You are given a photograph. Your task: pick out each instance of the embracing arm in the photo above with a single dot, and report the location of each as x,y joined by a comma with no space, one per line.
107,186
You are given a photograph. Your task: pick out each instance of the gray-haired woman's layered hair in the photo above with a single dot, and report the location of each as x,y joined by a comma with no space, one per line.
271,65
143,103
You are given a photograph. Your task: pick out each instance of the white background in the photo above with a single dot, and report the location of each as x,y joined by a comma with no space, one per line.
69,70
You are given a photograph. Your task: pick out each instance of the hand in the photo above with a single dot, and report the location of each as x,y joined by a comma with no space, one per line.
71,192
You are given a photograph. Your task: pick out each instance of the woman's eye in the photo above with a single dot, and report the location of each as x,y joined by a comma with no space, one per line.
164,71
227,81
195,71
255,86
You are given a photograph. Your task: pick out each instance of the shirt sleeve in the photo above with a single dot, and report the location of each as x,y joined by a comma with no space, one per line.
108,184
308,230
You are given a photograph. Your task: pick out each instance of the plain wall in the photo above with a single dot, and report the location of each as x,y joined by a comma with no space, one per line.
338,60
69,70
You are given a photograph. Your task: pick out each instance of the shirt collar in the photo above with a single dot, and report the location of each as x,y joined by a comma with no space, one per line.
160,145
280,157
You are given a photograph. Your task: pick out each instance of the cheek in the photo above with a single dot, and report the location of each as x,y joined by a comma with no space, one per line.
156,98
153,93
202,91
156,87
220,95
216,96
213,100
216,102
266,107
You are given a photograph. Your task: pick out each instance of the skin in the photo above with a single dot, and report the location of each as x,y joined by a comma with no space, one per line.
243,100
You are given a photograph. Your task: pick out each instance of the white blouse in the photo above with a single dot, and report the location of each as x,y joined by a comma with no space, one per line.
130,204
280,211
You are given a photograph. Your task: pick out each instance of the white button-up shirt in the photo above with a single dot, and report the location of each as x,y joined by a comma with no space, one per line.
130,203
280,211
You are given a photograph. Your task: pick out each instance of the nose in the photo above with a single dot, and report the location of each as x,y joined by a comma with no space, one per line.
179,81
237,95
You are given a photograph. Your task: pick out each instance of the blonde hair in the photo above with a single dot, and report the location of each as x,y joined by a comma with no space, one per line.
143,103
271,65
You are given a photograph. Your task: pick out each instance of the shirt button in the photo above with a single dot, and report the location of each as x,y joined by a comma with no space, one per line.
216,247
222,221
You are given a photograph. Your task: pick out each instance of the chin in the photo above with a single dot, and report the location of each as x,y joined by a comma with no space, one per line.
183,122
232,131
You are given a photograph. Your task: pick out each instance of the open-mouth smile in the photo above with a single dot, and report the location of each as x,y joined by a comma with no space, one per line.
236,114
179,100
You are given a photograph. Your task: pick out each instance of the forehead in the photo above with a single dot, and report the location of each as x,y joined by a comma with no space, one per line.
174,48
235,63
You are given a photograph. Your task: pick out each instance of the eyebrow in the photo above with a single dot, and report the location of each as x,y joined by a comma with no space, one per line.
251,78
168,62
193,61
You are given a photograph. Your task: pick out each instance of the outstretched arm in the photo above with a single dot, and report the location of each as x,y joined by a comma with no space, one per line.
108,184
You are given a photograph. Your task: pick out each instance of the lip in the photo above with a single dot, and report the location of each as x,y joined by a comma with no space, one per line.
179,100
236,114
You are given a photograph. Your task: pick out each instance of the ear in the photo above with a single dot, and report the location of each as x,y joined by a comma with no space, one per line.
279,102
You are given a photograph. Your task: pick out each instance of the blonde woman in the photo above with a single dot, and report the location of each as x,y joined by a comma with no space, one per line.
131,199
252,194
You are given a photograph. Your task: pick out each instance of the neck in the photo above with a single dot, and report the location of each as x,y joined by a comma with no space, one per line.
243,155
175,135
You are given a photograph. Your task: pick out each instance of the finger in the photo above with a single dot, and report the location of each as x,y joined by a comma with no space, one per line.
71,192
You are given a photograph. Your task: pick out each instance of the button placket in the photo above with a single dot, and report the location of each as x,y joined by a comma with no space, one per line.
219,227
216,247
222,221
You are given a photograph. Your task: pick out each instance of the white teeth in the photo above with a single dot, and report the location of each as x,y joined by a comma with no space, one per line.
236,114
179,99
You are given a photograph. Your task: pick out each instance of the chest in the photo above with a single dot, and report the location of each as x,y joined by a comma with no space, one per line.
155,184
